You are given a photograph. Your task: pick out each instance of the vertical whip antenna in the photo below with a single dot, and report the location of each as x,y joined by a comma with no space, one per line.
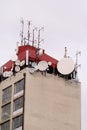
65,55
33,40
42,28
77,65
22,31
28,35
17,47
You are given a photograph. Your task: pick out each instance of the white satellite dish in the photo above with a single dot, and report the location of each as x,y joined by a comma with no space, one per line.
34,64
22,62
17,62
50,63
7,73
42,65
17,68
14,58
65,66
36,67
32,70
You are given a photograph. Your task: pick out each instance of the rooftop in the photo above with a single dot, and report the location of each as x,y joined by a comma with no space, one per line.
33,56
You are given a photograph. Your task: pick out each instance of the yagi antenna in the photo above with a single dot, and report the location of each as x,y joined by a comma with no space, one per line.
22,31
39,31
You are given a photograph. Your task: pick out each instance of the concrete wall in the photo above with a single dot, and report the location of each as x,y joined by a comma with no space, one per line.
4,84
52,103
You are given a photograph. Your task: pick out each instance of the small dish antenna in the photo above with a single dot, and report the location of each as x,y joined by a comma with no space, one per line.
14,58
22,63
66,66
36,67
7,73
34,64
42,65
17,68
17,62
32,70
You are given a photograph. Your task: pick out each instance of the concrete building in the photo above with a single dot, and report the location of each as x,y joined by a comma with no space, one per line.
31,99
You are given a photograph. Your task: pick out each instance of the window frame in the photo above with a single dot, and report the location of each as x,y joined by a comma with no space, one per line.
5,127
7,110
17,86
19,122
20,102
6,94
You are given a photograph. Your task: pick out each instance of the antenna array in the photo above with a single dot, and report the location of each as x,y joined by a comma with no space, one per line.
36,35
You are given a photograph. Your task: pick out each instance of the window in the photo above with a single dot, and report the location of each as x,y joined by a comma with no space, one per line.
18,103
6,110
17,122
6,96
19,86
5,126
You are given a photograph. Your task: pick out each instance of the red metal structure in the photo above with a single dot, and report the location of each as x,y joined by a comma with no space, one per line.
33,56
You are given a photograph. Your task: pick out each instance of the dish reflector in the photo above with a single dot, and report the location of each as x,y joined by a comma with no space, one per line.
14,58
7,73
32,70
65,66
17,62
17,68
34,64
22,62
42,65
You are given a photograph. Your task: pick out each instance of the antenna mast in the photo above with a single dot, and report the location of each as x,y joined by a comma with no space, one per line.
42,28
77,65
17,48
22,32
28,31
33,36
65,55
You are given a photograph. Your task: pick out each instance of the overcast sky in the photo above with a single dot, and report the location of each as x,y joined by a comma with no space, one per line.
65,24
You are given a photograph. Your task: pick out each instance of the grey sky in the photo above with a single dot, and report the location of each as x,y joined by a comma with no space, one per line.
65,23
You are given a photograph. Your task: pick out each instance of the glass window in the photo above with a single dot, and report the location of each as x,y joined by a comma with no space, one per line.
6,111
19,86
5,126
6,94
18,103
17,122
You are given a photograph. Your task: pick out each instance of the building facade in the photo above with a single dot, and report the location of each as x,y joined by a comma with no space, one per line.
39,101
